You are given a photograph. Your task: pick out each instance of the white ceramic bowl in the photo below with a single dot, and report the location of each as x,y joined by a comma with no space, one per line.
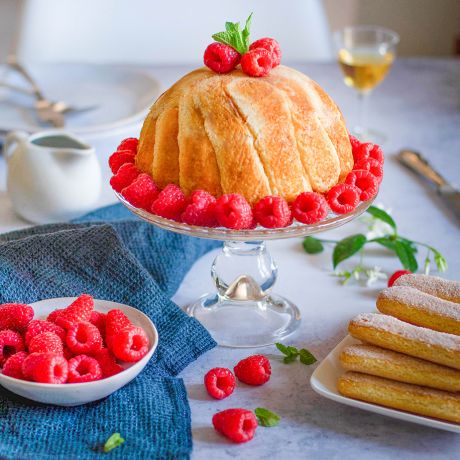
74,394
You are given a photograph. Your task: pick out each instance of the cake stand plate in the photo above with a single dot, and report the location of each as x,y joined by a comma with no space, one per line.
244,312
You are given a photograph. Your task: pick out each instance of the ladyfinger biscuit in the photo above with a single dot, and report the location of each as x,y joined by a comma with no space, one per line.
369,359
403,396
416,307
393,334
439,287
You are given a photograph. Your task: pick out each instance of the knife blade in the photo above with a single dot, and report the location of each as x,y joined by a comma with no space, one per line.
446,191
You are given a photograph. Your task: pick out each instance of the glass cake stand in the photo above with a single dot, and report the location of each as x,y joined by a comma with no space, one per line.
244,312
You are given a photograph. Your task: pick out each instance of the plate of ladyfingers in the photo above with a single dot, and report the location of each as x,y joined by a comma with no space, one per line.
404,360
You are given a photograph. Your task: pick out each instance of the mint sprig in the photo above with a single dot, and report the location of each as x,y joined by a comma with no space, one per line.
235,37
114,441
292,353
266,417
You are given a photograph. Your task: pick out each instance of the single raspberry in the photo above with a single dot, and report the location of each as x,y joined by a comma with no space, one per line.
365,181
142,192
115,322
170,203
371,165
233,211
355,142
13,365
221,58
130,143
54,314
45,368
201,210
397,274
83,338
309,208
119,158
131,344
254,370
124,176
83,368
362,151
38,326
377,154
106,360
15,316
98,319
238,425
78,311
256,63
220,382
272,212
343,198
10,343
272,46
46,342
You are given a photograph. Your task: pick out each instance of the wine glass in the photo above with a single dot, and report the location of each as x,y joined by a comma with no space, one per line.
365,54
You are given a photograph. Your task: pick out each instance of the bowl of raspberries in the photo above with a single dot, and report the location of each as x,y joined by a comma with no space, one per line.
71,351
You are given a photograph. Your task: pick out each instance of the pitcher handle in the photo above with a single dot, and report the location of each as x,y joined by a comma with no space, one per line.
11,139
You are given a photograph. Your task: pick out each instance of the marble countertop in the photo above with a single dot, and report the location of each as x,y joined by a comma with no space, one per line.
417,106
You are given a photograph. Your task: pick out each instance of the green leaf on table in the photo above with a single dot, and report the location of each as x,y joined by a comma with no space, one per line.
312,245
290,358
114,441
306,357
382,215
405,253
347,247
290,353
283,348
386,242
266,417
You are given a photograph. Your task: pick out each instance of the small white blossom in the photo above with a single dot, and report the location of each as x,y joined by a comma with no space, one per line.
374,274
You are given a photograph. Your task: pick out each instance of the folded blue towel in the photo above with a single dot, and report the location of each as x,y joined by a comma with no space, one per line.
114,256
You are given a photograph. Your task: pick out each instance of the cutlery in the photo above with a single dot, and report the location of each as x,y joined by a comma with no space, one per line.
418,164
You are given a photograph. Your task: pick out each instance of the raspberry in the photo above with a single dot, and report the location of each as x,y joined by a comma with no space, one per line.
38,326
377,154
354,141
362,151
45,368
256,63
83,338
10,343
238,425
119,158
124,176
371,165
115,322
15,316
221,58
54,314
272,46
129,143
78,311
254,370
83,368
98,319
68,354
343,198
46,342
309,208
142,192
106,360
272,212
131,344
13,365
233,211
200,210
396,275
170,203
365,181
220,382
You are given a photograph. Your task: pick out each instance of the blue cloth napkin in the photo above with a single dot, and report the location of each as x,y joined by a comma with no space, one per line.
114,256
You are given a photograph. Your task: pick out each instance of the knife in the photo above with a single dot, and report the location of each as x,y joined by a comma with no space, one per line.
418,164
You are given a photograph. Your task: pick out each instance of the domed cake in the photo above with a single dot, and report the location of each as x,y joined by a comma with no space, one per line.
230,133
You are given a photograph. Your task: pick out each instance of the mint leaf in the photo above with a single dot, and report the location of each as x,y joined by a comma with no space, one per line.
224,37
114,441
289,359
235,37
246,32
382,215
312,245
306,357
405,253
282,348
266,417
347,247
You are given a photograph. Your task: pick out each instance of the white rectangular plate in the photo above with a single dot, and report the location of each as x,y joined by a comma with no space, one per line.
324,381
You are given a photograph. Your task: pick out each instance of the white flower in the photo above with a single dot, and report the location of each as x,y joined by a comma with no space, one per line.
374,274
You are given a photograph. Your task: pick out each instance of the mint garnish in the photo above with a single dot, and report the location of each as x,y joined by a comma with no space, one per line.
266,417
235,37
114,441
291,354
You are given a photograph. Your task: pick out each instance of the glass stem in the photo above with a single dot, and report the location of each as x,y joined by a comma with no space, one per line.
361,129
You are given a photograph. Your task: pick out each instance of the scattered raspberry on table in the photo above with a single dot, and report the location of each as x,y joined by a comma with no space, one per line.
219,382
253,370
238,425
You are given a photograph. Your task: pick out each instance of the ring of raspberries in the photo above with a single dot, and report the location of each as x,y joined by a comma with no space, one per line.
76,344
232,210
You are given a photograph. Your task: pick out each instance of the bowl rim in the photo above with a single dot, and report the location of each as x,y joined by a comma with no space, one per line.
145,359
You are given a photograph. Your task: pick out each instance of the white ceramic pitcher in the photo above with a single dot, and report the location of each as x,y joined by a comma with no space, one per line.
52,175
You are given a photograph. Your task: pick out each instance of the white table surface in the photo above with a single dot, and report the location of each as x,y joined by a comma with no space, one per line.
418,106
